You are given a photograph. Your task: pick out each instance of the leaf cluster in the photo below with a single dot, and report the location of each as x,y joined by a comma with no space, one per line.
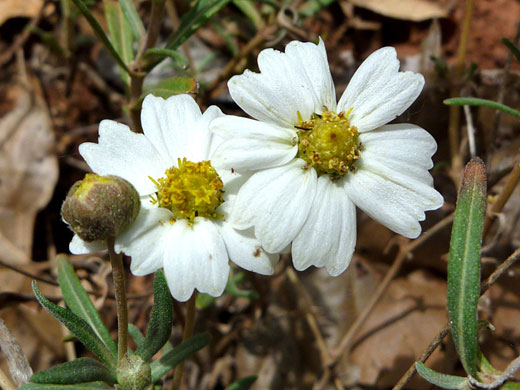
83,320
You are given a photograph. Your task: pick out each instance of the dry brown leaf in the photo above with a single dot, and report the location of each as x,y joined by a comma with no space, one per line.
414,10
15,8
398,331
28,166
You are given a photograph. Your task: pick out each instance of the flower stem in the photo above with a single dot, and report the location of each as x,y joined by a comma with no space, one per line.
118,274
188,333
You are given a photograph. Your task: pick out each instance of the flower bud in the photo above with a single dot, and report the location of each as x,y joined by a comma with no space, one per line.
133,373
100,207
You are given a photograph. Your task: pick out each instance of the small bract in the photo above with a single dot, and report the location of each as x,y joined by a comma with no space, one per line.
313,160
185,198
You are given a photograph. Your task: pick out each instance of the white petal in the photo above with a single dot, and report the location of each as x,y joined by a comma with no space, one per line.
172,125
196,258
400,147
124,153
79,247
297,80
277,202
396,200
245,251
378,92
145,240
328,236
251,145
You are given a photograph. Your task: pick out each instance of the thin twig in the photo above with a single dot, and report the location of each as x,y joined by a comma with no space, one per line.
187,334
454,123
310,315
502,91
470,128
510,261
503,197
5,382
403,254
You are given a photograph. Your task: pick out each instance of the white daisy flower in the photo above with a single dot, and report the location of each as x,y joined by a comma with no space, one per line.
314,160
186,199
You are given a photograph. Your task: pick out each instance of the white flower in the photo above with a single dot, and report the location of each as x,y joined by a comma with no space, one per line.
185,200
313,159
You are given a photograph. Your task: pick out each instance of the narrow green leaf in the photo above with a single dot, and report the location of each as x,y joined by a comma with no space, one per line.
471,101
204,301
134,21
194,19
171,359
311,7
179,58
510,386
77,326
100,33
161,320
464,264
169,87
120,34
441,380
233,289
243,384
79,302
77,386
191,21
136,334
512,47
76,371
249,9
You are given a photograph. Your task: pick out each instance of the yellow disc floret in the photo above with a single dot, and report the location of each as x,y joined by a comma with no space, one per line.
329,143
190,190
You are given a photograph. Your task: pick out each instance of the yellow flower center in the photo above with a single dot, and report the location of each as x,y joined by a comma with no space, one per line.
329,143
190,190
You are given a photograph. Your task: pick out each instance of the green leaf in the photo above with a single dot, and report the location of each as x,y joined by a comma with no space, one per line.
76,371
249,9
100,33
510,386
311,7
134,21
120,34
512,47
79,302
78,386
243,384
233,289
161,320
78,327
179,58
169,87
171,359
464,264
441,380
136,334
471,101
204,301
191,21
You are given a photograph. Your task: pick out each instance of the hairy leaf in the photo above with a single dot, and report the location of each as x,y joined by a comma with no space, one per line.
76,371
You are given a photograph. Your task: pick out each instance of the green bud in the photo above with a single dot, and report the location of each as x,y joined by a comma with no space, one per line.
133,373
100,207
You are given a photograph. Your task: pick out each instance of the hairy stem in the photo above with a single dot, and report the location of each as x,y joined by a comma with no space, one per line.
118,275
188,333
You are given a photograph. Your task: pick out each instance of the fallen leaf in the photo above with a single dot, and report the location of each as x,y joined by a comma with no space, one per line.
414,10
28,166
15,8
